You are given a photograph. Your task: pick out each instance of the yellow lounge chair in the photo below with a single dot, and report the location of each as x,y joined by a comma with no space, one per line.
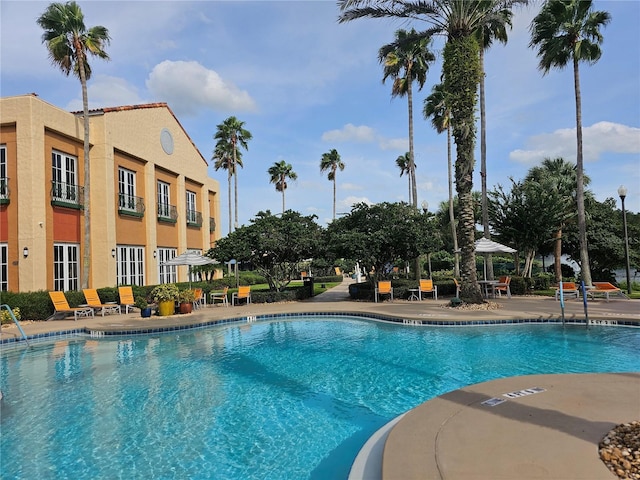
93,300
199,298
427,286
62,306
502,286
569,290
605,289
384,288
243,292
220,297
126,298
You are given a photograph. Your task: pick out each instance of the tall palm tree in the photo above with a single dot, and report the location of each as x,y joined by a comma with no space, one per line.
279,173
486,35
406,60
331,161
557,179
403,162
458,20
232,132
435,107
69,41
568,31
223,158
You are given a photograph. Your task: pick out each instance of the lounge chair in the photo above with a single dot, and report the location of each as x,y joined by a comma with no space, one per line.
243,292
126,298
569,290
91,294
427,286
604,289
62,307
220,297
384,288
502,287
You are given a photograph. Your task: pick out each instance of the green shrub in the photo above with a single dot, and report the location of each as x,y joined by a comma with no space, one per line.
520,285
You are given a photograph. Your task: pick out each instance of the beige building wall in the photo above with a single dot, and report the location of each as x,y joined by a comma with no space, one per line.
145,138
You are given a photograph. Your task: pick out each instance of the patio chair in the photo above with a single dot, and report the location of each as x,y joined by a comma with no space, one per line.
605,289
569,290
91,294
384,288
243,292
427,286
199,300
220,297
126,298
62,307
502,286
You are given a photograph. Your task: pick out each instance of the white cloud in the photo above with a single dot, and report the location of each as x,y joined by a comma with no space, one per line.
350,133
107,91
599,138
188,87
350,186
401,144
345,204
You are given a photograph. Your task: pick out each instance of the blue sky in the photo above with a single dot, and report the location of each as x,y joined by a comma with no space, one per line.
305,84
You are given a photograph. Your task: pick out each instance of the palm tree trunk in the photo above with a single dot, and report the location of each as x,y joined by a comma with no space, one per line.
229,194
334,196
235,181
86,257
452,218
557,254
582,221
413,198
483,164
282,195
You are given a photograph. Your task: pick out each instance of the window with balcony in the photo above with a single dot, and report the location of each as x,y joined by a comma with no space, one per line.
65,191
166,212
4,181
194,218
128,202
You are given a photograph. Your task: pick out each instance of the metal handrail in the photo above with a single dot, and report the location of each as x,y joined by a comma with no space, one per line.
166,211
15,320
5,191
130,204
67,193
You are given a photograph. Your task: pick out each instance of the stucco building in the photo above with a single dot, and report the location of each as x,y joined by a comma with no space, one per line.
150,196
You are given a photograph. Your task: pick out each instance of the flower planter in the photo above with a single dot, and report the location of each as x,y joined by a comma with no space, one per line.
166,307
186,307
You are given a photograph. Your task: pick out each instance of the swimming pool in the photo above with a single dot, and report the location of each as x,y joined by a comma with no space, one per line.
288,399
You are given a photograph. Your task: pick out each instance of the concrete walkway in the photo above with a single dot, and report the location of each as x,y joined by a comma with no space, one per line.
551,434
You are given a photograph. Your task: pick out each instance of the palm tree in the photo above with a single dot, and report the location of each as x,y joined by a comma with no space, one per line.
403,162
331,161
409,54
232,132
557,179
279,172
435,107
486,34
223,158
69,41
458,20
569,31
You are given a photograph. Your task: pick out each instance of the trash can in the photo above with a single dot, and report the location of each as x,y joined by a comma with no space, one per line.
308,284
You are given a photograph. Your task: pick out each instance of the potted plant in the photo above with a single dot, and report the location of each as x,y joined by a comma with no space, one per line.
165,296
143,305
186,298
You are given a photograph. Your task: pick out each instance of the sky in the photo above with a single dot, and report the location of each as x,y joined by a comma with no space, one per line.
305,84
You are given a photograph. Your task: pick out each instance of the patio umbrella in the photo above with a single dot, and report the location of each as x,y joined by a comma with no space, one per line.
485,246
190,259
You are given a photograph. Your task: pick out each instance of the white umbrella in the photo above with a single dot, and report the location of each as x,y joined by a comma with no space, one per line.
190,259
484,246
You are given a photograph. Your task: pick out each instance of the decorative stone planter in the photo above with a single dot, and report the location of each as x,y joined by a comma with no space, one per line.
186,307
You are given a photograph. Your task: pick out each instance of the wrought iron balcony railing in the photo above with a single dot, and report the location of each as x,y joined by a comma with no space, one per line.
130,205
212,224
194,218
67,195
167,213
4,190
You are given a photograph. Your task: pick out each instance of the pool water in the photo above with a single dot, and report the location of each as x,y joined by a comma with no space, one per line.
287,399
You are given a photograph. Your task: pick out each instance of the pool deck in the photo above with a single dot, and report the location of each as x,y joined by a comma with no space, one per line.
548,434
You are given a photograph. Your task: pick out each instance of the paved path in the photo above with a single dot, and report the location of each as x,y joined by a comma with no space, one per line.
548,435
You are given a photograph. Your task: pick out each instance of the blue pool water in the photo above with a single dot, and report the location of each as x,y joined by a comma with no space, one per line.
288,399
